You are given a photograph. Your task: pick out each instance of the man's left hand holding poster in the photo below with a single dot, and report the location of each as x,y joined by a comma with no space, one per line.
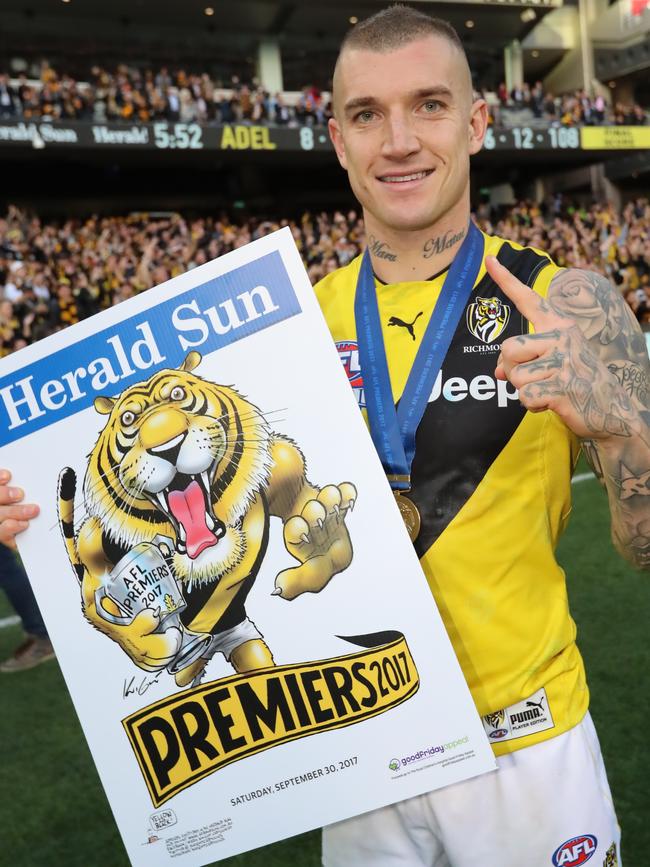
239,679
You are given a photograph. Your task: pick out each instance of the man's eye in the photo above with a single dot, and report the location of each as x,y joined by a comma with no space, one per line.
431,106
365,116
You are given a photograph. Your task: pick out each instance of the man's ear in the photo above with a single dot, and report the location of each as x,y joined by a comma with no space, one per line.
478,123
337,140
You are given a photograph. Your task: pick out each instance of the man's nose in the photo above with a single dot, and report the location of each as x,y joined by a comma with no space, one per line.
400,140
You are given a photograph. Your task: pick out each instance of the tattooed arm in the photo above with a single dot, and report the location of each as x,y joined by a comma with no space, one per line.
588,362
618,448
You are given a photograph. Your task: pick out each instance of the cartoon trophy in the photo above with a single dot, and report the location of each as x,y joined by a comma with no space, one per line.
143,578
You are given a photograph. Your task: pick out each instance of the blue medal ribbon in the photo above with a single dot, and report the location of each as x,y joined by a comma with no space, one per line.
393,430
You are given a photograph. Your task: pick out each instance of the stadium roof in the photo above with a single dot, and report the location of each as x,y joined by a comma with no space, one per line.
237,26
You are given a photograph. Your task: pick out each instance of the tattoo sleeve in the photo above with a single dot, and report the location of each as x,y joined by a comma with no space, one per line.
620,370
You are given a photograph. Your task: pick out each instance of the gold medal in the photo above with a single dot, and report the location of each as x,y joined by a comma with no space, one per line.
410,514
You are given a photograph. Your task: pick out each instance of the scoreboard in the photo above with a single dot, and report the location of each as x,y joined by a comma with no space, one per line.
167,136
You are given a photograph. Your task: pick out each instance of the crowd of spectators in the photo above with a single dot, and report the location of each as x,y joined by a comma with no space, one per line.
129,95
596,238
55,274
568,109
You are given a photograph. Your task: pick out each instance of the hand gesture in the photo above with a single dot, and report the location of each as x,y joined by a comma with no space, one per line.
555,368
319,540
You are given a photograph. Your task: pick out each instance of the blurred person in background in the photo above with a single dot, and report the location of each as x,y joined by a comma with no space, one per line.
37,647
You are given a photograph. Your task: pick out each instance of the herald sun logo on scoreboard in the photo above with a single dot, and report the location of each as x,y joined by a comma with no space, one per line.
576,851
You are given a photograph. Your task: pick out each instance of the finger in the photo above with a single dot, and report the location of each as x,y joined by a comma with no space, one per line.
348,495
330,497
296,531
146,621
526,349
10,494
527,302
14,520
21,512
538,396
538,370
314,513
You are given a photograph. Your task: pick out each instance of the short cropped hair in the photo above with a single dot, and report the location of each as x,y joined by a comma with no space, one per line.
395,27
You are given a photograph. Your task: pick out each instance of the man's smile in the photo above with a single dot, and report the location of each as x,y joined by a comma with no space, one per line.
404,177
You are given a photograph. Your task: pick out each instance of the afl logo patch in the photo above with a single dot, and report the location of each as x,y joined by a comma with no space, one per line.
577,850
487,318
349,354
497,734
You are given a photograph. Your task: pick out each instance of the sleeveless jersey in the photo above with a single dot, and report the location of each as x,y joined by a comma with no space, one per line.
492,483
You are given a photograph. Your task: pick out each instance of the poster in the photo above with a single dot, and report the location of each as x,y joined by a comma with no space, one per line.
241,620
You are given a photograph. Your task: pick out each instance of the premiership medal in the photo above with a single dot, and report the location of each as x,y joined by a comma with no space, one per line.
410,514
392,428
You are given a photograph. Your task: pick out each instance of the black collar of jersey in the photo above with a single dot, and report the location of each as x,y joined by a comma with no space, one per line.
428,279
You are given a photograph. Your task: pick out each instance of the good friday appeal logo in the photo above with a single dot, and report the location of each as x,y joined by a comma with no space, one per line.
183,738
428,752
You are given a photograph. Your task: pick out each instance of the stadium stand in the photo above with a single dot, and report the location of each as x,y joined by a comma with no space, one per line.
130,95
54,274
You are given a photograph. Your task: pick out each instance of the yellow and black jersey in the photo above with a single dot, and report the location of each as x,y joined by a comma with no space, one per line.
492,483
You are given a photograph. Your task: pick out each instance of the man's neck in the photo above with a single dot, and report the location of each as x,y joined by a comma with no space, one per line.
402,256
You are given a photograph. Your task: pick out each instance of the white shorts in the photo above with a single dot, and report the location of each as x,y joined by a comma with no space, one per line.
548,805
225,642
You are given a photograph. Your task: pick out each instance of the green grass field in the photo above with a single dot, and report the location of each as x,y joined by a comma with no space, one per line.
54,813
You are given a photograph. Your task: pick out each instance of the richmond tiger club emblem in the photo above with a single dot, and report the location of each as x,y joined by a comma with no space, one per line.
487,318
495,719
179,491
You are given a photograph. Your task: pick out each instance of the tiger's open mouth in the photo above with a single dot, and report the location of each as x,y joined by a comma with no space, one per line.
186,503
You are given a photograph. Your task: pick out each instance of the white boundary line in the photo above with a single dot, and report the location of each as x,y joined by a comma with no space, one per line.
9,621
582,477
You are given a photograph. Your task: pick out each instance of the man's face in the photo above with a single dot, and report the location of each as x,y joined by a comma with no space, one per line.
404,128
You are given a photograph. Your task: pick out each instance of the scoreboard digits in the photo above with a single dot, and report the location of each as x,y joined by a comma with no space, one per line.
532,138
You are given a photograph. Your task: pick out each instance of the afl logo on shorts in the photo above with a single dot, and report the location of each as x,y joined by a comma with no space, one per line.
487,318
577,850
349,354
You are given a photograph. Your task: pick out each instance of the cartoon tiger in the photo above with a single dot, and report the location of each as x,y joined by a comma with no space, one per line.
185,458
487,318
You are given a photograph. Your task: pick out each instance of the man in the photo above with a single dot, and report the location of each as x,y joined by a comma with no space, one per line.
490,477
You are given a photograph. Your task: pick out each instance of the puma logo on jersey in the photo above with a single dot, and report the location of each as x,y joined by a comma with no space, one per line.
395,320
487,318
537,704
